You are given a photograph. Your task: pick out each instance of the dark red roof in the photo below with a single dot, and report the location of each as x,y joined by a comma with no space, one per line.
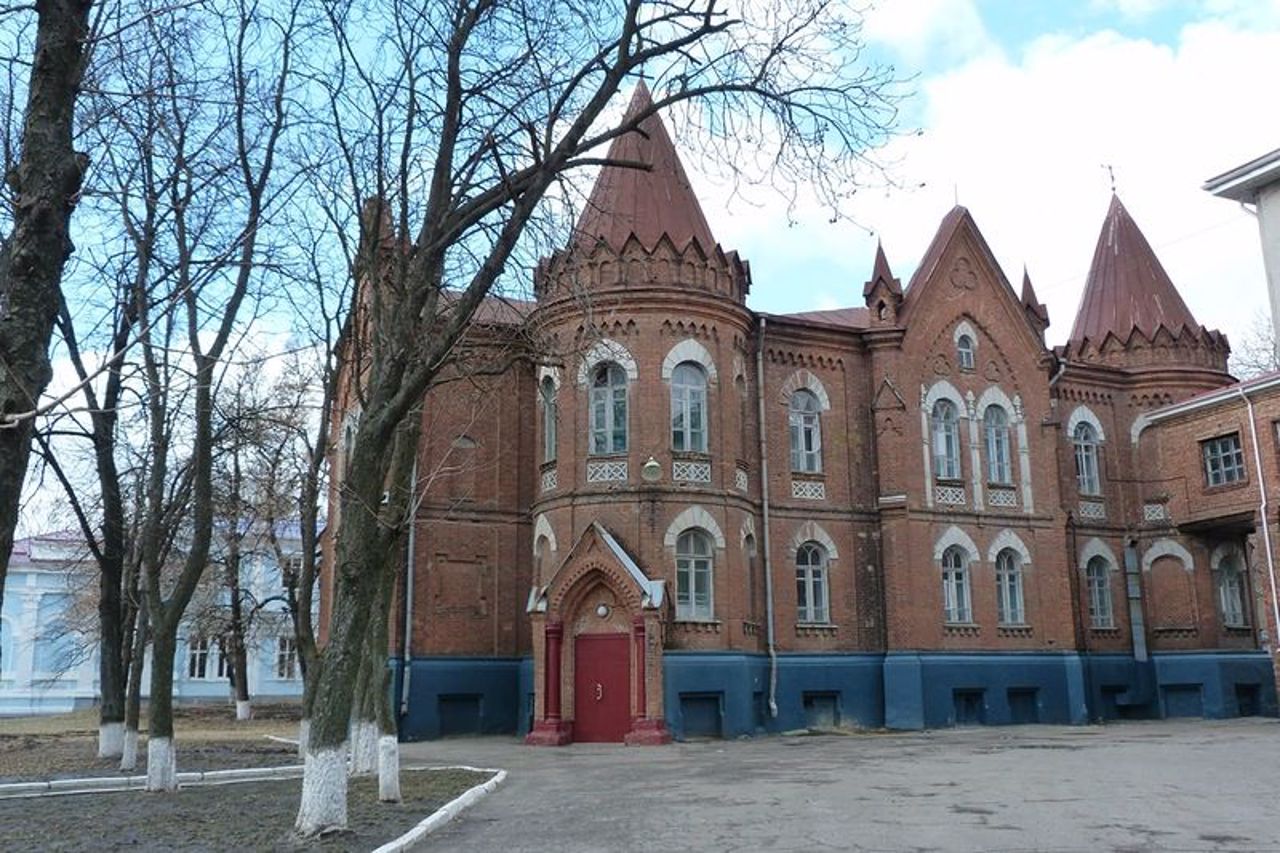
853,318
1127,287
1030,300
881,272
627,200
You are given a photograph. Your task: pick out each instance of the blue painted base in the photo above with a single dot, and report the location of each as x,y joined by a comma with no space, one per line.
464,696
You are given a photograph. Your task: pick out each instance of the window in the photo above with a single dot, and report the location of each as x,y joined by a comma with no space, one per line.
1010,609
225,664
55,645
609,409
946,440
1086,440
806,432
689,408
693,575
286,658
1231,595
199,650
1223,460
964,352
811,584
1098,579
549,417
956,605
8,648
996,425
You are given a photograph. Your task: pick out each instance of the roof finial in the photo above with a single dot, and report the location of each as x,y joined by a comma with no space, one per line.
1111,173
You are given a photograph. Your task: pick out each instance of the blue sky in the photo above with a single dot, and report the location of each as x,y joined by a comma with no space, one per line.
1021,105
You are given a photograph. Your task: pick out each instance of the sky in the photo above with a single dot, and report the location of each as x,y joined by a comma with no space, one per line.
1020,105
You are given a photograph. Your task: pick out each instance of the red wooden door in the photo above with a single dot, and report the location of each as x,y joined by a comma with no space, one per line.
601,688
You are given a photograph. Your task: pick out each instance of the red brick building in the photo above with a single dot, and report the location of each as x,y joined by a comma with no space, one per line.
695,518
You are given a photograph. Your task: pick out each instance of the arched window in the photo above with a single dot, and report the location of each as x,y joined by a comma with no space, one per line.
1231,596
689,408
946,440
753,586
1098,578
1086,441
811,584
964,352
693,575
806,432
541,549
996,426
956,601
609,409
549,418
1010,609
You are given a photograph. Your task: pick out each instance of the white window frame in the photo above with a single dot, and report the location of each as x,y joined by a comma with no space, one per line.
957,602
945,421
695,556
1231,593
550,415
689,404
286,658
965,352
1088,471
200,654
1097,573
999,446
804,416
608,400
1011,608
813,585
1223,460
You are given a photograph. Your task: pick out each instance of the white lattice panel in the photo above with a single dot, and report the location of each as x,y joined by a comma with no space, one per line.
1095,510
1002,497
740,480
550,479
950,495
809,490
1155,512
691,472
611,471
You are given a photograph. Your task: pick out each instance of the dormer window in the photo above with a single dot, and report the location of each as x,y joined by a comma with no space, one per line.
964,352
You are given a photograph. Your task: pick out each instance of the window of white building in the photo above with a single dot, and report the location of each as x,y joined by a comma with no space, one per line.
286,658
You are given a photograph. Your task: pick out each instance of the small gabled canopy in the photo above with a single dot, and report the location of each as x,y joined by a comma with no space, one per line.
1127,288
881,273
648,202
649,593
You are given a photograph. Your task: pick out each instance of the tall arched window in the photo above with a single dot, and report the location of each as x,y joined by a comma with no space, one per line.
609,409
806,432
946,440
1086,440
995,424
689,408
693,575
1010,607
1098,578
811,584
549,418
964,352
1231,596
956,601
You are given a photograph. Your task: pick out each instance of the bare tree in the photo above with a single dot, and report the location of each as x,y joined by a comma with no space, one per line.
1255,354
481,109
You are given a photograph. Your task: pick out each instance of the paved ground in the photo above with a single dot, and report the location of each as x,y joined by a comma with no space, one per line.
1198,785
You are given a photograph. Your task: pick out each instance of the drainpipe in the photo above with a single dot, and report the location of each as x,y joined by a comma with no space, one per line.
1262,512
764,543
406,664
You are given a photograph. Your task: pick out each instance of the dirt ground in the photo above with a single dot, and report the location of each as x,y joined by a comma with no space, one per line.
238,816
208,737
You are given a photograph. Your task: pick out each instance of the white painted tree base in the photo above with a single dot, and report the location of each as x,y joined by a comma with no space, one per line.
364,748
110,740
324,792
304,734
162,765
129,754
388,769
244,710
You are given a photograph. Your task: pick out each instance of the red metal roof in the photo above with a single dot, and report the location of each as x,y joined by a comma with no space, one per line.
1127,287
853,318
649,202
881,272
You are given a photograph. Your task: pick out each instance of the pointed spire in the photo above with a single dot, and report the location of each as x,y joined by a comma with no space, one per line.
647,203
1127,287
1029,299
881,273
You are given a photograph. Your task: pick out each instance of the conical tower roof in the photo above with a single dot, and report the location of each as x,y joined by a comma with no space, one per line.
645,202
1127,287
881,272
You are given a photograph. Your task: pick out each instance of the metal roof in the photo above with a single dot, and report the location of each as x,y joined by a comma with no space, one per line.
1243,182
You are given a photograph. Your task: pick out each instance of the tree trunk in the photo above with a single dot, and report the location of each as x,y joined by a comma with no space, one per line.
112,671
133,699
239,659
364,721
380,685
162,760
43,189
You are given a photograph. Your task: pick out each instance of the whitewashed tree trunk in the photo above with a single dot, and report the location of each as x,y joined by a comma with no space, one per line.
244,710
162,765
304,734
110,740
364,748
388,769
324,792
129,753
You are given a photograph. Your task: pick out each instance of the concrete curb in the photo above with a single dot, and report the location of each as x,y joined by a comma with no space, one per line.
105,784
449,810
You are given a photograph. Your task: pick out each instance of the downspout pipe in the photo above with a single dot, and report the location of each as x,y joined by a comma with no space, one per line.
406,655
764,537
1262,513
